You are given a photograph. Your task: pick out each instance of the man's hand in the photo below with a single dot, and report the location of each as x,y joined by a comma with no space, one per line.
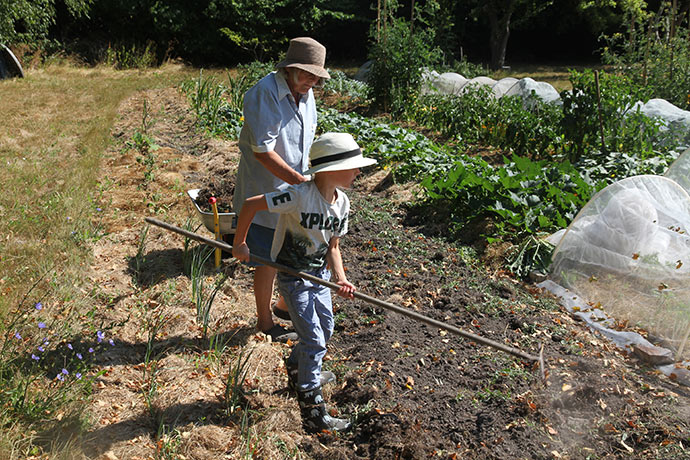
347,289
241,252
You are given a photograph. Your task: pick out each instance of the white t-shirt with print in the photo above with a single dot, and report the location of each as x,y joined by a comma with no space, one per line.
306,224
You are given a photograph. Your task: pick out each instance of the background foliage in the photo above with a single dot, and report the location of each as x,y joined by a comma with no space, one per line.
229,32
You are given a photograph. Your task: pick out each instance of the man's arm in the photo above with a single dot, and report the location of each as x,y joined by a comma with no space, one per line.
279,168
335,262
251,206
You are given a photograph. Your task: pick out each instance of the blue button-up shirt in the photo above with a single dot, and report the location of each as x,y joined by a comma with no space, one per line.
272,121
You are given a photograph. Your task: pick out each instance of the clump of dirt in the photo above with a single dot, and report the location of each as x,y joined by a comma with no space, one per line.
222,189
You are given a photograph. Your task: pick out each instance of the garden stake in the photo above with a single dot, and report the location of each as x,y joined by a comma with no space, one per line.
383,304
216,227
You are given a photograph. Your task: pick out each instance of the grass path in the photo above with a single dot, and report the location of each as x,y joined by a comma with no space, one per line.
56,125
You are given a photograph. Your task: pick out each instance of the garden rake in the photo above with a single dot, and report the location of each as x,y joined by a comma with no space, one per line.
372,300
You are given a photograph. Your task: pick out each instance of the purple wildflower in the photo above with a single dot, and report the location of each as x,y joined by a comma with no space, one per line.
33,356
79,356
17,336
39,306
69,345
100,336
41,349
60,377
78,375
41,325
111,342
65,371
99,209
90,350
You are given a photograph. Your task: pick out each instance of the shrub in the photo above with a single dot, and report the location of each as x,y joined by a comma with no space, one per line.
124,56
585,117
478,116
654,54
399,57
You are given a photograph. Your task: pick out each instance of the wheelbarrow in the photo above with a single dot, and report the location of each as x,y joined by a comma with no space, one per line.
227,221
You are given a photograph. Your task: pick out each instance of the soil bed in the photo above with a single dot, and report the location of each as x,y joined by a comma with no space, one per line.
412,391
422,393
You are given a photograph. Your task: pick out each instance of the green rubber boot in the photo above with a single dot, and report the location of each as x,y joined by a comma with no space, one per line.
315,418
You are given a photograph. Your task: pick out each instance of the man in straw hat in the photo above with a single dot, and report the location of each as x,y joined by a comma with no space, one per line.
279,127
313,216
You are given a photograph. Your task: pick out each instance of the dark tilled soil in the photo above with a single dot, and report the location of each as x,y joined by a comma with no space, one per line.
418,392
415,392
222,190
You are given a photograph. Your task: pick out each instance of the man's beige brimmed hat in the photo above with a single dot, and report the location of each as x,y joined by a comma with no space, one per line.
336,152
307,54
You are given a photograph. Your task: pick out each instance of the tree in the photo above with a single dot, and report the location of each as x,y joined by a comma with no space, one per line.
29,21
501,15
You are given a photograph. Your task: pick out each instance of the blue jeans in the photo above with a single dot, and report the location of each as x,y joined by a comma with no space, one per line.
311,311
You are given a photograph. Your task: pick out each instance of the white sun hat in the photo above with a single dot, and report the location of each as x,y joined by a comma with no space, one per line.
336,152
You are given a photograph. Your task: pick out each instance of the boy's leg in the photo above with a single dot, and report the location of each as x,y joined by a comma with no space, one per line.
311,348
323,302
264,277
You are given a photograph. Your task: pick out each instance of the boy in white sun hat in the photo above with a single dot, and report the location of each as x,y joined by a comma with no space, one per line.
313,216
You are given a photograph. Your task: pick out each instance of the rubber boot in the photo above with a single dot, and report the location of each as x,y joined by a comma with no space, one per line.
293,374
315,418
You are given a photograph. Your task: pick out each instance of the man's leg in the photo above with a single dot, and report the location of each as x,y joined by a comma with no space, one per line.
264,277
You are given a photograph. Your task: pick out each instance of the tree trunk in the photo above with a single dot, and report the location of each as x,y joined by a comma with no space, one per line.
499,22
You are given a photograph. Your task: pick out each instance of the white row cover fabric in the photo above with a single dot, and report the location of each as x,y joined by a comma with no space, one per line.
673,117
628,249
679,171
454,83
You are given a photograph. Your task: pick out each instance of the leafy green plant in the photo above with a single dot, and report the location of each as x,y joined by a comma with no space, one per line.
144,143
409,154
524,196
604,120
478,116
400,51
255,70
341,84
654,53
534,253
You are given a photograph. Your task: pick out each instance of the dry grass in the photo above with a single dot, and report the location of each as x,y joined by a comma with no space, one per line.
56,126
557,76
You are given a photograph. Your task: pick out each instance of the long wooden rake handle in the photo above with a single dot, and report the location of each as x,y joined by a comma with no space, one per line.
383,304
